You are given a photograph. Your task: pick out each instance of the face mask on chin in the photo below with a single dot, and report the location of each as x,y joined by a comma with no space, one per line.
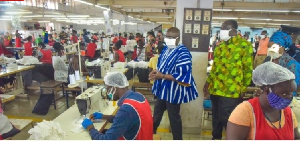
263,36
111,94
171,43
273,51
224,35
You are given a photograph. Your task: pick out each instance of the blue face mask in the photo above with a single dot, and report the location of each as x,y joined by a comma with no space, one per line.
278,102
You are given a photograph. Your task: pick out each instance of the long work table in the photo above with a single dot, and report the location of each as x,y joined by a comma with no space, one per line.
100,80
70,120
20,87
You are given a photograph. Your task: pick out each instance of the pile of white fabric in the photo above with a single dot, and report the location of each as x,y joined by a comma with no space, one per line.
4,60
28,60
119,65
47,130
94,63
141,64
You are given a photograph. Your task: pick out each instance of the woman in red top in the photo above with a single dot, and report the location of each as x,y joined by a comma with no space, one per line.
28,46
74,38
44,55
119,55
267,117
18,42
91,49
6,41
51,41
3,49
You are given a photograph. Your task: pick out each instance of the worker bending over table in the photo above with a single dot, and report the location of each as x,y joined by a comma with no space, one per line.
44,55
132,121
118,54
267,117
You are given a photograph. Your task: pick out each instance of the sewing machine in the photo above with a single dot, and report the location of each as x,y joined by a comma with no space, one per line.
93,99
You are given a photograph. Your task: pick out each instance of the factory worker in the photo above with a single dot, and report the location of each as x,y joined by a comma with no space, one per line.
279,42
133,121
267,117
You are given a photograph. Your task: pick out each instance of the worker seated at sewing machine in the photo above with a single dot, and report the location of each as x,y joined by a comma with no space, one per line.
118,54
133,121
44,55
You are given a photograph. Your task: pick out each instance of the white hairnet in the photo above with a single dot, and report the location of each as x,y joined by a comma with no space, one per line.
116,79
270,73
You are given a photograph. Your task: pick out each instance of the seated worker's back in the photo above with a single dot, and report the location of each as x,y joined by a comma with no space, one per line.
47,56
91,49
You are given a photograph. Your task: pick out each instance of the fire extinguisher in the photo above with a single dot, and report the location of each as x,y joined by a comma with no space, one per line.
210,53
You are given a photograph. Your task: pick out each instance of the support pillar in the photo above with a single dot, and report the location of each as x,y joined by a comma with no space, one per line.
191,113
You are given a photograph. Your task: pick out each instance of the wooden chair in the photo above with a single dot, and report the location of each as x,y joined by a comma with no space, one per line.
53,86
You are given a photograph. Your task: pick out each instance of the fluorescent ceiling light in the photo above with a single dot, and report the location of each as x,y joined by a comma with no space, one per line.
60,18
286,20
54,16
78,16
6,4
95,18
32,16
6,16
225,18
222,9
15,13
149,21
257,23
130,16
5,19
252,10
44,21
255,19
296,11
102,7
81,1
277,24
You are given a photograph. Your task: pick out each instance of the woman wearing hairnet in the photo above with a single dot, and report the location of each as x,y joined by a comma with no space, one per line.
267,117
133,120
279,42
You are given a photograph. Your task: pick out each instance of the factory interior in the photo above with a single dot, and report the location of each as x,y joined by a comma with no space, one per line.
149,69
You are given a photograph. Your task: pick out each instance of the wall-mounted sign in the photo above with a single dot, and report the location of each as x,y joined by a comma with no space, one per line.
195,42
207,15
188,28
205,29
197,15
196,28
189,15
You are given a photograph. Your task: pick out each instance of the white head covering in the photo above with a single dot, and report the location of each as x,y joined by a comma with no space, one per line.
270,73
116,79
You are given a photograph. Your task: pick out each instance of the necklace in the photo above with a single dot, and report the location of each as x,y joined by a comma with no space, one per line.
272,123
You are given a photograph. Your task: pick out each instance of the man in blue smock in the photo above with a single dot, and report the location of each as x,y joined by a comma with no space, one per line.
174,83
133,121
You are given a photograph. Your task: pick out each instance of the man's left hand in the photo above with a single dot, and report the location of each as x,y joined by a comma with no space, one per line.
156,76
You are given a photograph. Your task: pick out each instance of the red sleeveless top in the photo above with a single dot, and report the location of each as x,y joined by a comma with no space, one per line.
47,56
146,121
18,42
28,49
263,131
121,56
91,49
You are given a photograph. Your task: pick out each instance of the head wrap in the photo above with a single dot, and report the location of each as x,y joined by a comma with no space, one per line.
282,39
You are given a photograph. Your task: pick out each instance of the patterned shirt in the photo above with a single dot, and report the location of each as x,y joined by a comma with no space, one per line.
178,63
232,69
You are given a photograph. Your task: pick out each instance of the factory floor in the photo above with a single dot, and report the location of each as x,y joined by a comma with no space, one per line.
21,108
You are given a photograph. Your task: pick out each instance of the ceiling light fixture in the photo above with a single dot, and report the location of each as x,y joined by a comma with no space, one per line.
78,16
33,16
225,18
6,4
222,9
260,10
102,7
55,16
60,18
16,13
5,19
44,21
255,19
81,1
